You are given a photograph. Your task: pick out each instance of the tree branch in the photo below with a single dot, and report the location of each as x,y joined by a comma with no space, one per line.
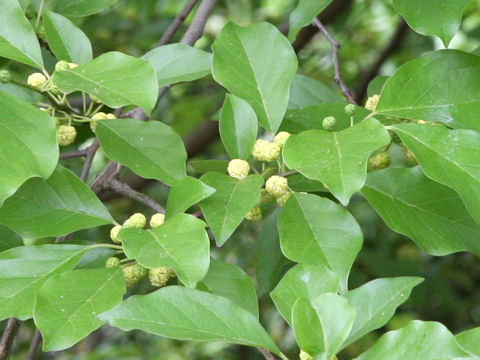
392,47
90,154
266,354
73,154
126,190
36,340
6,341
336,62
176,23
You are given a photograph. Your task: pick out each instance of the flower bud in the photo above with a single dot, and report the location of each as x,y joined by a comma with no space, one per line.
137,220
62,65
112,262
114,234
156,220
66,135
277,186
255,214
134,273
5,76
238,168
329,123
159,276
36,80
379,161
281,138
350,109
266,151
372,102
282,200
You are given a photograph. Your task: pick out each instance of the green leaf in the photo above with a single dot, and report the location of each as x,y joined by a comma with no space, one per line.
204,166
375,303
417,340
305,91
445,93
53,207
174,63
375,86
433,17
27,135
149,148
181,243
271,264
26,94
66,40
238,127
468,340
79,8
17,37
256,63
303,281
68,304
337,159
448,157
9,239
185,193
315,230
115,78
227,207
311,117
325,333
303,15
232,282
188,314
429,213
23,270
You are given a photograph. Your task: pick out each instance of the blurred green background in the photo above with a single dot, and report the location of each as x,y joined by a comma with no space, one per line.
451,292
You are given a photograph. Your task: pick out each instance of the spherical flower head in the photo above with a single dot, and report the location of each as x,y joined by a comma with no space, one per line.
137,220
305,356
372,102
72,65
134,273
266,151
5,76
159,276
111,116
255,214
379,161
265,196
350,109
66,135
112,262
281,138
238,168
62,65
156,220
114,234
329,123
99,116
282,200
277,186
409,155
37,80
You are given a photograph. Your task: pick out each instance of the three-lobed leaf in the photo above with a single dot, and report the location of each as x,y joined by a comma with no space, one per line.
53,207
149,148
315,230
17,37
339,159
431,214
188,314
238,127
256,63
115,78
181,243
65,40
23,270
68,304
185,193
175,63
232,200
448,157
446,93
27,135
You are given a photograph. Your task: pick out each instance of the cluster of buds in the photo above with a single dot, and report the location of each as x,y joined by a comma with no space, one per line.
63,65
372,102
100,116
255,214
159,276
379,161
329,123
156,220
238,168
5,76
266,151
66,135
134,273
277,186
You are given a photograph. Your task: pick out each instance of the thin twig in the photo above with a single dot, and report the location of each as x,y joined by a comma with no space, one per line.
73,154
6,341
393,46
195,30
336,62
266,354
36,340
126,190
176,23
90,154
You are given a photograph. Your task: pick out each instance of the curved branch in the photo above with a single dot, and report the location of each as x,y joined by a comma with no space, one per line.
176,23
8,336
